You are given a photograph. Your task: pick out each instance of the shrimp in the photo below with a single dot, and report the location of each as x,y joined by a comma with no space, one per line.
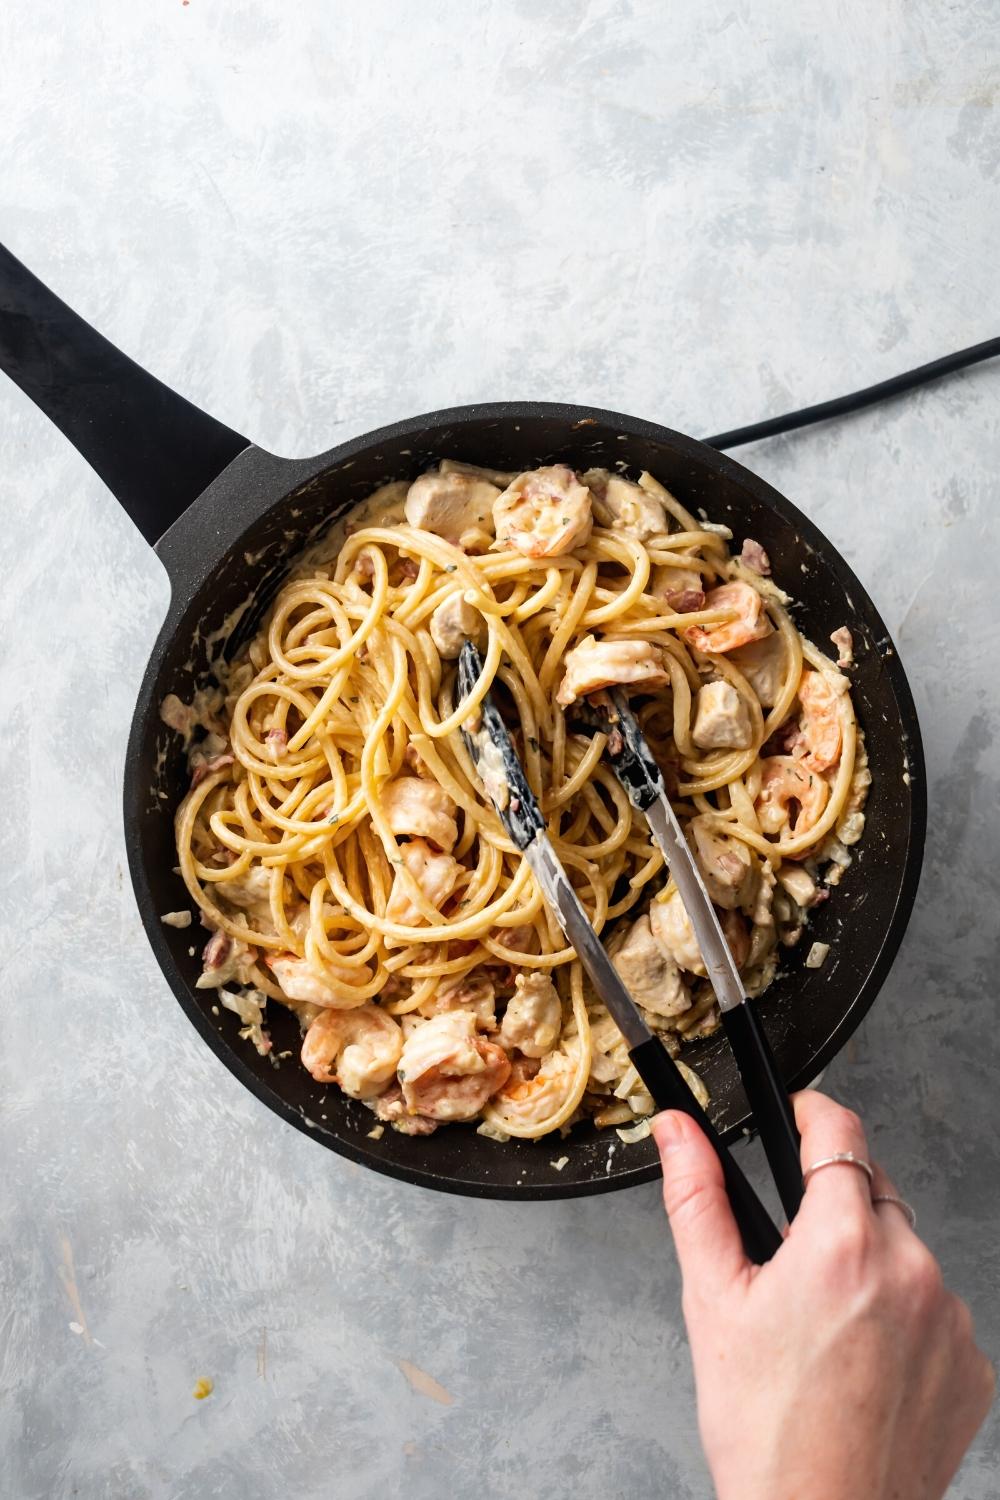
821,732
597,664
544,513
752,623
363,1044
791,798
447,1070
436,875
413,806
725,863
301,980
533,1019
526,1102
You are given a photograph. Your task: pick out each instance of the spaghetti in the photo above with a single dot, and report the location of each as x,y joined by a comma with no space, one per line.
342,851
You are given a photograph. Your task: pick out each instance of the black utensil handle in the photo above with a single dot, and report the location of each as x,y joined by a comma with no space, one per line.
656,1069
154,450
768,1098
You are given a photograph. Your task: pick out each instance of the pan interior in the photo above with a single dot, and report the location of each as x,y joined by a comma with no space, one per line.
808,1014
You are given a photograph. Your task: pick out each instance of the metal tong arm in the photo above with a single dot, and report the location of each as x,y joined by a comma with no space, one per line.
521,816
647,1053
633,763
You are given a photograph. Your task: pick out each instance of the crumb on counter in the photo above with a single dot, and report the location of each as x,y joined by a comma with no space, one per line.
203,1388
176,919
816,957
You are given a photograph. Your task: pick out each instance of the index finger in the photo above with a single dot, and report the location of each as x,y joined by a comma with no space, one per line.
827,1129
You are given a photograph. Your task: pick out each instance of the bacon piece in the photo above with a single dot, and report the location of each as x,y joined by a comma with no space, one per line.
755,558
216,951
203,768
390,1107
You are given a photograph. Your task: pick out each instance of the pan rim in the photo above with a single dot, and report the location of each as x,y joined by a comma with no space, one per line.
298,472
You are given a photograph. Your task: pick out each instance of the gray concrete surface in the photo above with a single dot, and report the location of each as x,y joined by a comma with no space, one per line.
312,219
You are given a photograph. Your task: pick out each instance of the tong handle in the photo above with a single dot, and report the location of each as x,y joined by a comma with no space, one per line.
768,1098
656,1069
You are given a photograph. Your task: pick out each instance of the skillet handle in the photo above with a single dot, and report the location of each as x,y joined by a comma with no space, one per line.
154,450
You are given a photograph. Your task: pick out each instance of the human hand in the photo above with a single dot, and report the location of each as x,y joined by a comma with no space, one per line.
842,1368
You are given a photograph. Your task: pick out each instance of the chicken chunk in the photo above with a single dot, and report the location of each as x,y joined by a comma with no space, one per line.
683,589
544,513
447,1070
799,884
436,875
418,808
671,926
722,719
734,930
533,1019
450,505
621,505
597,664
649,972
453,623
726,864
471,992
760,908
763,665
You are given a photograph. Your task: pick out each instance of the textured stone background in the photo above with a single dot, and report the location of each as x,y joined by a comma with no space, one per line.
312,219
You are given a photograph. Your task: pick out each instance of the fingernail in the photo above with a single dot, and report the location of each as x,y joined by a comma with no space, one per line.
669,1130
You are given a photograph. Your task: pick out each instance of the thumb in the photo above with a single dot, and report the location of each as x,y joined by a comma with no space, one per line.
709,1247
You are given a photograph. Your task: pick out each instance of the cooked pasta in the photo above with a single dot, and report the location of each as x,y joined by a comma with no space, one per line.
339,844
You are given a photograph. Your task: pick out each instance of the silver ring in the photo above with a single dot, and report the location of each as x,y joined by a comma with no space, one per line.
847,1158
900,1203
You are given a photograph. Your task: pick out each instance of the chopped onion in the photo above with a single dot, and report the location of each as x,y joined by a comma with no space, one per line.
816,957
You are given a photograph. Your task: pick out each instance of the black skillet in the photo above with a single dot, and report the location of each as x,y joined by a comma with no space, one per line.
224,517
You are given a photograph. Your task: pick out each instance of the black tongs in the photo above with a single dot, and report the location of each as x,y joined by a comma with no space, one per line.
506,785
633,763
